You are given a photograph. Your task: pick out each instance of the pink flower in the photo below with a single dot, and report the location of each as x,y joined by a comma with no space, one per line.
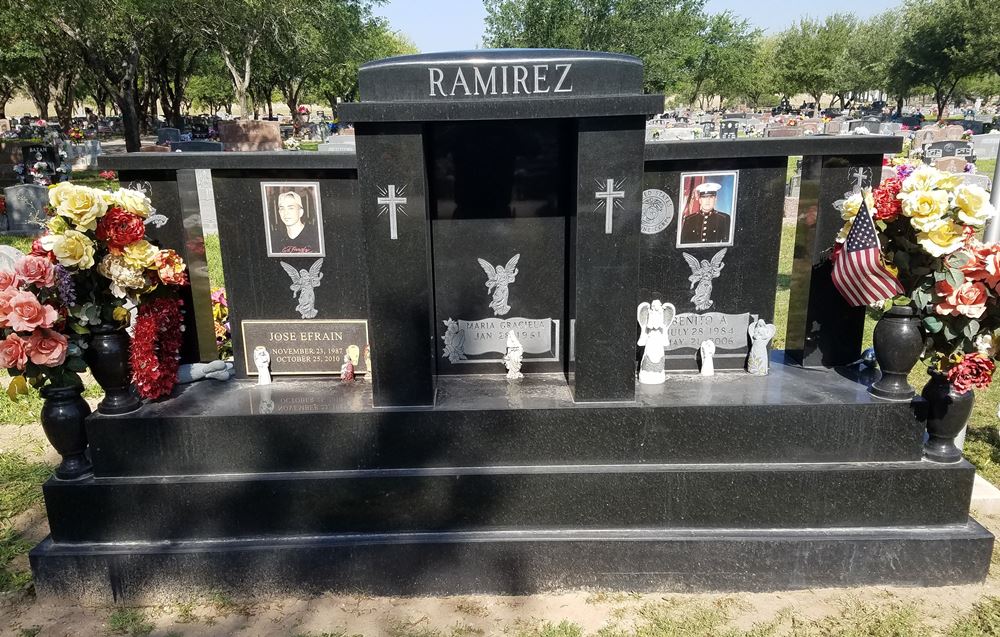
47,348
8,279
37,270
5,306
12,352
968,299
26,313
974,371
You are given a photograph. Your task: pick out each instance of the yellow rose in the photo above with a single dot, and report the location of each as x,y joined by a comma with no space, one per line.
57,225
941,240
925,208
842,237
923,178
974,207
134,201
83,206
140,254
853,204
59,192
72,249
949,181
120,314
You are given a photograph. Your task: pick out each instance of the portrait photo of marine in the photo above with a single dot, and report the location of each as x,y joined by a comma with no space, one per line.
708,209
293,219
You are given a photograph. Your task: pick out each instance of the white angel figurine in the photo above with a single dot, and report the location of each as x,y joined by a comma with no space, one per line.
262,361
707,350
497,280
702,274
512,359
654,319
303,284
761,334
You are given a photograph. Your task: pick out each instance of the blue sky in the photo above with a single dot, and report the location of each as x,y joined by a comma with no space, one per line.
453,25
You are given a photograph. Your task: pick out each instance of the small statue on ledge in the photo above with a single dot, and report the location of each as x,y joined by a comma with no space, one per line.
262,361
761,333
707,351
347,370
368,363
654,319
512,359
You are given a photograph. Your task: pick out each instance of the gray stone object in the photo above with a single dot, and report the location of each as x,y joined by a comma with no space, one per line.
167,135
439,468
25,214
197,146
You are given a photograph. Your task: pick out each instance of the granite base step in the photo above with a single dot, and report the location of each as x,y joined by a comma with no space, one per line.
784,495
517,562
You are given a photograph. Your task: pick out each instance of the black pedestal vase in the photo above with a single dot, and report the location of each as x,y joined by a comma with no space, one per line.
898,342
63,413
947,412
108,359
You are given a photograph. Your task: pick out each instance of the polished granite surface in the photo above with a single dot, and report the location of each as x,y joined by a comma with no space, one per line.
785,385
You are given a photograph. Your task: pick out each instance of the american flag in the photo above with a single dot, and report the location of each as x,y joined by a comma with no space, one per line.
859,272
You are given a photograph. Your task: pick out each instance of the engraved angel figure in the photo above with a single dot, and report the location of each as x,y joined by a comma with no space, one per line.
654,319
701,276
302,286
497,281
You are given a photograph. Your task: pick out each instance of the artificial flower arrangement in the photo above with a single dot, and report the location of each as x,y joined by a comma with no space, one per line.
220,314
928,221
292,143
91,266
76,136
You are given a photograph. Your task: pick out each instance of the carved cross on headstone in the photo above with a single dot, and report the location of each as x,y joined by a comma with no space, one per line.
391,202
610,196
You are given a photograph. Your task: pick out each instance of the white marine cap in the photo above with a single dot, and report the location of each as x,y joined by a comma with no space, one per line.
708,186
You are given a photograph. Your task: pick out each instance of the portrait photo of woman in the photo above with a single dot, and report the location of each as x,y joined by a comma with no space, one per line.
293,219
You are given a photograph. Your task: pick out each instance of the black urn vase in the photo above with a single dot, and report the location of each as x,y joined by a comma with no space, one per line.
108,359
63,413
947,413
898,342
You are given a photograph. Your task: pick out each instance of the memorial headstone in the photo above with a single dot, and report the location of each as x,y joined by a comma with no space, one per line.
952,132
939,150
986,146
729,129
978,179
951,164
41,156
890,128
25,212
166,135
833,127
783,131
250,135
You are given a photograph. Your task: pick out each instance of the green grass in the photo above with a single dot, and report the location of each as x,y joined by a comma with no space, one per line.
986,167
21,243
21,490
213,254
129,621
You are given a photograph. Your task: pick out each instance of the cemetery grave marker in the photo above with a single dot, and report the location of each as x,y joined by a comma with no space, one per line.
564,233
25,212
729,129
938,150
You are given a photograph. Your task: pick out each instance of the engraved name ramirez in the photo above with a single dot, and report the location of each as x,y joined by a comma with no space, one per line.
506,79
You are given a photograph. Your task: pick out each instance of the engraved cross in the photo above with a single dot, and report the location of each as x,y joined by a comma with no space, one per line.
610,197
392,202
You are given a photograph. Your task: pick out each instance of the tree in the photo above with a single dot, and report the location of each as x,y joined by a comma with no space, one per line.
210,88
171,61
114,54
726,43
664,33
757,81
938,47
808,52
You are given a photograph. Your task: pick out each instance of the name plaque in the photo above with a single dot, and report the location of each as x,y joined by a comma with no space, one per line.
727,331
538,337
306,348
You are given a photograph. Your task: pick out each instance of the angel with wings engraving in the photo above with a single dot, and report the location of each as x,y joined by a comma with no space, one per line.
303,284
701,277
497,280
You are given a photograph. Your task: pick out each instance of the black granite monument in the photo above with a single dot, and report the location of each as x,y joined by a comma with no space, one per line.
496,192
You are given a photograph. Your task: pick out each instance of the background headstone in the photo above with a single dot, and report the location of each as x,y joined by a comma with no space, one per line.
953,132
196,146
729,129
25,208
250,135
979,179
951,164
986,146
166,135
939,150
783,131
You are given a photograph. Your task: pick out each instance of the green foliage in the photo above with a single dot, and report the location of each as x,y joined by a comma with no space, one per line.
129,621
808,53
21,482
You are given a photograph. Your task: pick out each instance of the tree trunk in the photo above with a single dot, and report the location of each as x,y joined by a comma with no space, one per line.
130,119
270,107
899,107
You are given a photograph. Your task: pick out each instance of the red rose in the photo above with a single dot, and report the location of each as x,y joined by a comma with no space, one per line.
38,251
887,207
974,371
120,228
892,185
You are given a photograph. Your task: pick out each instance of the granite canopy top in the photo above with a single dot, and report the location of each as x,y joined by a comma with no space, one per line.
500,84
654,151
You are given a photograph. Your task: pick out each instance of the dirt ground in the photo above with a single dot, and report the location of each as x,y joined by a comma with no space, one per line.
887,610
